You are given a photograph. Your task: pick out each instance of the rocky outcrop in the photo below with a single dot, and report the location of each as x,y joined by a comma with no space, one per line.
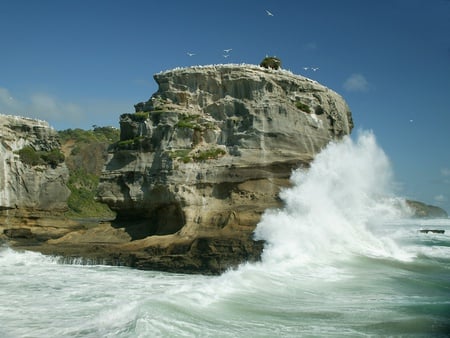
39,186
32,183
209,152
423,210
195,167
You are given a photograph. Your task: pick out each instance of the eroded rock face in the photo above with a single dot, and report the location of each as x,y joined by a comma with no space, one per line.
210,150
33,197
24,186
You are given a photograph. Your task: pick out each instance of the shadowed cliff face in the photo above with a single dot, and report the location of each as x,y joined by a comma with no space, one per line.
210,150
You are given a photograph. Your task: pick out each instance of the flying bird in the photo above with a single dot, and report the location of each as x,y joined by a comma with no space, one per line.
269,13
314,69
305,68
226,55
228,50
190,54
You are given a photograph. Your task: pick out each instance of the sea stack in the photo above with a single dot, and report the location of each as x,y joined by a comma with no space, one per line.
200,161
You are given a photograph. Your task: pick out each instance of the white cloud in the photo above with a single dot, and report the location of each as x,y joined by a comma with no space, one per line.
44,105
356,83
63,114
5,96
445,172
7,102
40,106
440,198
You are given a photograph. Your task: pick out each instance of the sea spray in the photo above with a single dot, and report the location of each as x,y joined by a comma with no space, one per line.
321,273
334,208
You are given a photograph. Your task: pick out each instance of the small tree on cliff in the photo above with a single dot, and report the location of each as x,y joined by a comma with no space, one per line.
271,62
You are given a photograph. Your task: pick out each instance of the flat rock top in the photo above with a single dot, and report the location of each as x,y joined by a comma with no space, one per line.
241,70
7,120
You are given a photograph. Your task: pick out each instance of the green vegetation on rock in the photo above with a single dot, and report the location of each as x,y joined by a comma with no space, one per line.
32,157
139,116
188,121
132,144
181,154
186,155
81,202
86,152
271,62
209,154
302,106
97,134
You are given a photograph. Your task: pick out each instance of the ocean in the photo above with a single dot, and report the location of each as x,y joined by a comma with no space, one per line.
343,258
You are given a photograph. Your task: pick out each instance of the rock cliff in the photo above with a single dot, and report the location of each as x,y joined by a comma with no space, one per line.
32,175
210,150
212,147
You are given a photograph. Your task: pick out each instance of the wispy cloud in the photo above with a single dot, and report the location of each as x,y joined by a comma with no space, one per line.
310,46
445,172
39,105
356,83
440,198
63,114
7,102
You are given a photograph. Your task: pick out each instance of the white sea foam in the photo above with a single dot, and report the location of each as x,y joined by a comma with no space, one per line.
320,275
334,208
10,257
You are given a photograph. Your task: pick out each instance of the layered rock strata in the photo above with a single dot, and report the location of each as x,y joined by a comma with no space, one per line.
33,191
210,151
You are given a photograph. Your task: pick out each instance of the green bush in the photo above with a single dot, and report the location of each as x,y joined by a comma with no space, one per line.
97,134
30,156
271,62
53,157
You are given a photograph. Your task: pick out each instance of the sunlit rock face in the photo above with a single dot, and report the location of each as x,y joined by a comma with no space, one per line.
24,186
210,150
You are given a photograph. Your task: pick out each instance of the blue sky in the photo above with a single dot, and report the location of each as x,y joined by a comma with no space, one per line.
82,63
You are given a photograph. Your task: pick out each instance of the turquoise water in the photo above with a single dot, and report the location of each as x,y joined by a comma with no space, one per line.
342,259
358,296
